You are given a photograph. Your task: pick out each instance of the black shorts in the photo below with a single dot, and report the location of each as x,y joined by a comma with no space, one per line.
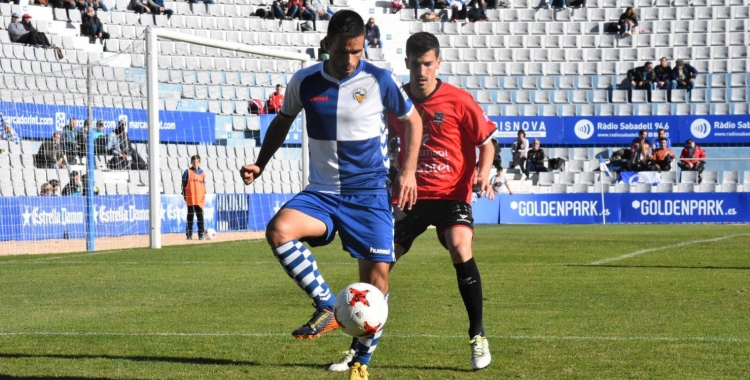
443,214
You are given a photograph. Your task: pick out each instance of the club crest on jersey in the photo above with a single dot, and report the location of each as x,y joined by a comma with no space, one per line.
359,94
439,117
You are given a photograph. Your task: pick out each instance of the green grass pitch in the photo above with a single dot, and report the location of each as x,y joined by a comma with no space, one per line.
664,302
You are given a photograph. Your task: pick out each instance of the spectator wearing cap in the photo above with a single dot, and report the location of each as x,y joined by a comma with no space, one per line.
24,33
92,27
273,105
683,76
10,135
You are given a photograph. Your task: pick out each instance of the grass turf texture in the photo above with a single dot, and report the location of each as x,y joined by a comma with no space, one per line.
673,313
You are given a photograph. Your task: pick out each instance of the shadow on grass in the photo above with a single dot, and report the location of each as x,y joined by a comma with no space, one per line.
658,267
199,361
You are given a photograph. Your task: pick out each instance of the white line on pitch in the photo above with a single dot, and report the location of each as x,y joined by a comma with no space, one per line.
398,336
682,244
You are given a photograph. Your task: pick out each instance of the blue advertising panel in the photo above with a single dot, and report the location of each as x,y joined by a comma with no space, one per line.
121,215
11,218
716,129
263,207
558,208
547,129
616,130
295,132
39,121
174,213
684,208
485,211
50,218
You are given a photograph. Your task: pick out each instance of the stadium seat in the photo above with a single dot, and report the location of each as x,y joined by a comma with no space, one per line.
546,179
707,187
665,188
643,187
729,188
688,176
622,188
710,176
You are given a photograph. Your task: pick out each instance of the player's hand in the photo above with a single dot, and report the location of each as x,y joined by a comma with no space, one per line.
486,188
407,190
249,173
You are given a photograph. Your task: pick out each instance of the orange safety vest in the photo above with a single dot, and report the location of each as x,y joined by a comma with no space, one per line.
195,189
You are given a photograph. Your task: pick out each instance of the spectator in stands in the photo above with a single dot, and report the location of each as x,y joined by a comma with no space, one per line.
535,159
74,187
497,161
85,185
287,10
417,3
628,21
683,76
498,181
23,32
642,138
577,3
323,51
547,4
317,9
65,4
641,78
398,5
118,144
661,134
692,157
51,154
82,139
55,187
203,1
143,6
275,100
458,10
641,160
45,190
663,155
194,193
161,9
10,135
100,138
99,5
519,149
255,107
477,11
81,5
372,36
663,78
91,26
70,137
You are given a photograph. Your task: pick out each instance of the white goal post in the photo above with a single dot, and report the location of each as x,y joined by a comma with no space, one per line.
153,110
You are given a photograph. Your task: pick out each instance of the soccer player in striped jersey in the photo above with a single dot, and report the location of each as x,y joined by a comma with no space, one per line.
349,191
454,127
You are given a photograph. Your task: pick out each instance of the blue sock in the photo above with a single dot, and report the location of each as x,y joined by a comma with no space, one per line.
366,346
300,265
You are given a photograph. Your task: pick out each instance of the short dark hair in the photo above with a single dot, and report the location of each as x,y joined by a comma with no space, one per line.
347,24
642,132
663,138
73,174
421,43
660,130
648,63
521,131
195,157
54,183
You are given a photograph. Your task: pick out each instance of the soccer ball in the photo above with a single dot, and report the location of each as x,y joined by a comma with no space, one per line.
360,309
210,234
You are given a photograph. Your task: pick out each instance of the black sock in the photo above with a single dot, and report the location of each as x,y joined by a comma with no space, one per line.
354,344
470,287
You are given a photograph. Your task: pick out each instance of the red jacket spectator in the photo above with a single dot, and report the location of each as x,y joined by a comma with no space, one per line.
698,154
275,100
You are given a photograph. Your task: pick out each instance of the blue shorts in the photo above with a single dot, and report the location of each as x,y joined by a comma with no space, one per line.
364,222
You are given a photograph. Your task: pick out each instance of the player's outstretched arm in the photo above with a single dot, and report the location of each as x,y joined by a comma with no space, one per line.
486,155
275,136
407,180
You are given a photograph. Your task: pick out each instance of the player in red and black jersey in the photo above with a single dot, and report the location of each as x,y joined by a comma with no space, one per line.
454,126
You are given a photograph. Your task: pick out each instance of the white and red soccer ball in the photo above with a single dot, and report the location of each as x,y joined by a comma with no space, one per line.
210,234
360,309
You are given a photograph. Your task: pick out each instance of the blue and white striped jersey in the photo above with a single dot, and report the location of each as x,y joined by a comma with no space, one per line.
345,126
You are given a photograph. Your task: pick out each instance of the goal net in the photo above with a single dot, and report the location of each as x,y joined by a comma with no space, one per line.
204,94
